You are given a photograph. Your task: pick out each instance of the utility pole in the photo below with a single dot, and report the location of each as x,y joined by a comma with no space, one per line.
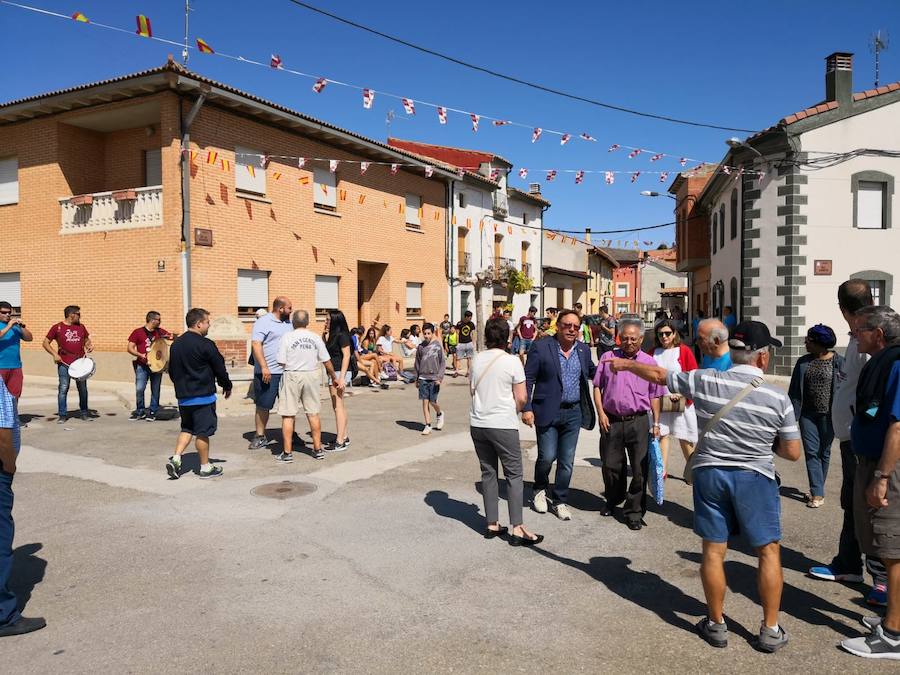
184,50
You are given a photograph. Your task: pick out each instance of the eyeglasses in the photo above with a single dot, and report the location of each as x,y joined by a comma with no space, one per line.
665,333
570,326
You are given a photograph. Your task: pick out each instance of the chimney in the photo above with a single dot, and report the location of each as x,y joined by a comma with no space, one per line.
534,188
587,235
839,78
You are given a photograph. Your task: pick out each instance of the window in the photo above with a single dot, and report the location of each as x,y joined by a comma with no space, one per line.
715,228
722,226
252,291
622,307
870,205
461,200
9,180
152,167
249,171
524,217
622,290
326,294
464,301
877,292
413,207
413,299
734,297
324,189
734,214
11,290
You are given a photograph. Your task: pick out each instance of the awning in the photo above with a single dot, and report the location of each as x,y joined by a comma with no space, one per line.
567,273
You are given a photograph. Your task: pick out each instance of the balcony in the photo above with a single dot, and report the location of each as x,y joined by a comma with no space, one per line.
526,269
501,265
114,210
465,265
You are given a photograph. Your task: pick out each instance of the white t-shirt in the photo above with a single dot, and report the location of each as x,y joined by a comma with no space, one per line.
409,351
493,405
386,343
302,350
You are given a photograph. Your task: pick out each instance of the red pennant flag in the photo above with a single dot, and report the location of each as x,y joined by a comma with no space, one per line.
368,98
536,134
211,157
276,62
78,16
409,106
143,26
499,123
474,119
442,114
203,47
319,85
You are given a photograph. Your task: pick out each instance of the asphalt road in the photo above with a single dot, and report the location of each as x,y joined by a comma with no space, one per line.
382,568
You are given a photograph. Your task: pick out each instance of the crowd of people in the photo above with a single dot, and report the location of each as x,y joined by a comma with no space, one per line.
729,422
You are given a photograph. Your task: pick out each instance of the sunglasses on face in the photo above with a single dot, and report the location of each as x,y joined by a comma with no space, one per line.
665,333
569,326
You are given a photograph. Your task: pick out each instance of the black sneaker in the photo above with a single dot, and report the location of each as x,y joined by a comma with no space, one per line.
338,447
714,633
285,457
85,417
150,417
137,415
62,420
258,443
318,454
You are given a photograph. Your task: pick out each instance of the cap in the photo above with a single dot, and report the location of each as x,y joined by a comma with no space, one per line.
752,335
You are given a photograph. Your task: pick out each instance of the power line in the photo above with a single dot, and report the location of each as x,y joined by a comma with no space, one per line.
511,78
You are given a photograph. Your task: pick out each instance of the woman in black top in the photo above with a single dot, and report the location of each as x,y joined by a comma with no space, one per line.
340,348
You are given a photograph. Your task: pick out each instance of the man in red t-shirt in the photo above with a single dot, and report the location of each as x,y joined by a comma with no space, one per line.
138,345
72,343
526,330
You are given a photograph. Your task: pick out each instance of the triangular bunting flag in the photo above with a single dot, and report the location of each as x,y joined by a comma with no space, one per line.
332,165
203,47
78,16
363,167
409,106
565,139
523,173
319,85
368,98
442,114
536,134
474,119
276,62
143,26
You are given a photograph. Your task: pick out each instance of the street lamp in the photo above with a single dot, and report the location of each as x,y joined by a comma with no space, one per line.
652,193
735,143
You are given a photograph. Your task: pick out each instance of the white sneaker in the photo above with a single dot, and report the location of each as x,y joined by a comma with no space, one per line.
562,511
426,430
439,423
539,501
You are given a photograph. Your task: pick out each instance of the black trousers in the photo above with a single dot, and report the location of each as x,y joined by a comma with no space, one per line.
626,438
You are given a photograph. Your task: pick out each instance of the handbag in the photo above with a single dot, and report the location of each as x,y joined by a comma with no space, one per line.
724,410
676,406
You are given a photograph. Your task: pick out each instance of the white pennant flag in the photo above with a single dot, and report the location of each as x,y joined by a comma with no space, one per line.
460,172
658,156
475,119
429,171
332,165
363,167
394,169
368,98
536,134
409,106
565,139
442,115
614,147
523,173
301,162
551,175
663,176
587,137
610,178
682,161
579,177
635,176
495,175
319,85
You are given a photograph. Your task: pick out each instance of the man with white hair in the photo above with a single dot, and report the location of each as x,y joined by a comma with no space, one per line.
712,338
733,470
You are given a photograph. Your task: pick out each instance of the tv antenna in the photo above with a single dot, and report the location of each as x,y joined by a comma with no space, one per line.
184,49
879,44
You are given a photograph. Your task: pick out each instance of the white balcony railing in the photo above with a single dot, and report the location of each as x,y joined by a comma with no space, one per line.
114,210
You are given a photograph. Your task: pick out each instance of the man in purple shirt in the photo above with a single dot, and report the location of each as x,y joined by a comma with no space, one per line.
623,402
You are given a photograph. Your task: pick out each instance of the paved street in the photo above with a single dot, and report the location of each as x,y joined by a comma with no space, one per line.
382,568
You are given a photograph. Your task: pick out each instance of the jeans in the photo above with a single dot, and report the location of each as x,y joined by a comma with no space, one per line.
64,381
142,375
817,434
9,612
557,441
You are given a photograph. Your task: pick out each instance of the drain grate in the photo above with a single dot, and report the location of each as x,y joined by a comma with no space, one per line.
286,489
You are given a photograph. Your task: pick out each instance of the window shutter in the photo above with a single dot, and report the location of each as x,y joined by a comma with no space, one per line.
249,172
413,204
253,288
870,205
326,292
324,188
11,288
9,180
153,167
413,297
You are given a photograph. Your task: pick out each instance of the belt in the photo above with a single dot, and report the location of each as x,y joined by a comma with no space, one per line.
626,418
565,405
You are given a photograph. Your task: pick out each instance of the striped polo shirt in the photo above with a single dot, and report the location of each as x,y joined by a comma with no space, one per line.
9,417
744,437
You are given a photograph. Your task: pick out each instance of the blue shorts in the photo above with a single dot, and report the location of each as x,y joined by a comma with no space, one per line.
198,420
428,390
524,346
730,501
265,394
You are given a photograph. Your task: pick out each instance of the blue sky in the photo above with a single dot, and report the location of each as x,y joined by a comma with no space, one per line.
731,64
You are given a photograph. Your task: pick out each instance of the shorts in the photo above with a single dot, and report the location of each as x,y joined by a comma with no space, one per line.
451,349
465,350
299,393
14,380
525,345
877,530
265,394
731,500
198,420
429,390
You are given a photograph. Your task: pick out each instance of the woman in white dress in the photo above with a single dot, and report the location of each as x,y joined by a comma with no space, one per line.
672,355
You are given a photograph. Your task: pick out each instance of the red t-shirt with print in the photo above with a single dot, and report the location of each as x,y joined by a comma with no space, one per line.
527,327
70,341
143,338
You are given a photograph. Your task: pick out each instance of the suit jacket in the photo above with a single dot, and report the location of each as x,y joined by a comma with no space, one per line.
543,378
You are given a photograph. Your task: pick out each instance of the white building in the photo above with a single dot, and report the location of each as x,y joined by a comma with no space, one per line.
492,226
821,213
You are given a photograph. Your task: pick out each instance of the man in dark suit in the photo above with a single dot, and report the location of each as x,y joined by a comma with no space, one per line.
558,376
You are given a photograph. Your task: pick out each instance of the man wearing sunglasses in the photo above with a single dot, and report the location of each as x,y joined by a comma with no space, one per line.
72,342
12,331
558,373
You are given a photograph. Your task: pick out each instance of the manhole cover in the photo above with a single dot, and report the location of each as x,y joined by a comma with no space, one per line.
527,445
286,489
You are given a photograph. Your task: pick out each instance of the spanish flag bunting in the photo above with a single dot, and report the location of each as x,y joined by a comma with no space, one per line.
303,180
342,194
400,207
509,229
203,47
143,26
276,175
212,157
468,223
437,215
78,16
251,170
421,210
453,220
192,155
362,199
495,227
226,164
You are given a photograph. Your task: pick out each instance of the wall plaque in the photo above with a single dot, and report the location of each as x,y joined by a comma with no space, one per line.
202,237
822,268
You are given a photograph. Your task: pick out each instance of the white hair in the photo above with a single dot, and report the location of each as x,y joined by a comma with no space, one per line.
716,331
746,357
624,323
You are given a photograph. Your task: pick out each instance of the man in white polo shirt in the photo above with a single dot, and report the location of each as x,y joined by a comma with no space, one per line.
300,353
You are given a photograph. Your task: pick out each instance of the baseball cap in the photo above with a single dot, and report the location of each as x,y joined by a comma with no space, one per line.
752,335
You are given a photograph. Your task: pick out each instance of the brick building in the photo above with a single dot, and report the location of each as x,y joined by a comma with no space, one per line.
692,237
101,208
626,280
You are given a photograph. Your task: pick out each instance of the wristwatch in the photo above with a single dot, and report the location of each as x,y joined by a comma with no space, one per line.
878,475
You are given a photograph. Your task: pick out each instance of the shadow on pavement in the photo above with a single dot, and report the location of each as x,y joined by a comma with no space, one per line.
790,492
190,463
27,572
447,507
412,426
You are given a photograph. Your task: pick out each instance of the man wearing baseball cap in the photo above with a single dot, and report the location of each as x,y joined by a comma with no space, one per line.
733,470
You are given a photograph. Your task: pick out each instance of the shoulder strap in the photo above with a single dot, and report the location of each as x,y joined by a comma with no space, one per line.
484,372
725,409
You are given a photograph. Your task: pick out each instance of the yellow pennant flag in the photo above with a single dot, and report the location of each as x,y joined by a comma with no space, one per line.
251,170
276,175
342,194
78,16
211,157
362,199
303,180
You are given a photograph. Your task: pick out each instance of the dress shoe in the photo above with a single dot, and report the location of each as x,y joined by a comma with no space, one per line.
23,625
633,524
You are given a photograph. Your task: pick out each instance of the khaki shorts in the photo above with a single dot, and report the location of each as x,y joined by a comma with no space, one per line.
299,393
877,530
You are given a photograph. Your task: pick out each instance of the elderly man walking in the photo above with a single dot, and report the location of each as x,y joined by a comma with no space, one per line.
712,338
558,373
734,472
624,406
876,491
264,342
